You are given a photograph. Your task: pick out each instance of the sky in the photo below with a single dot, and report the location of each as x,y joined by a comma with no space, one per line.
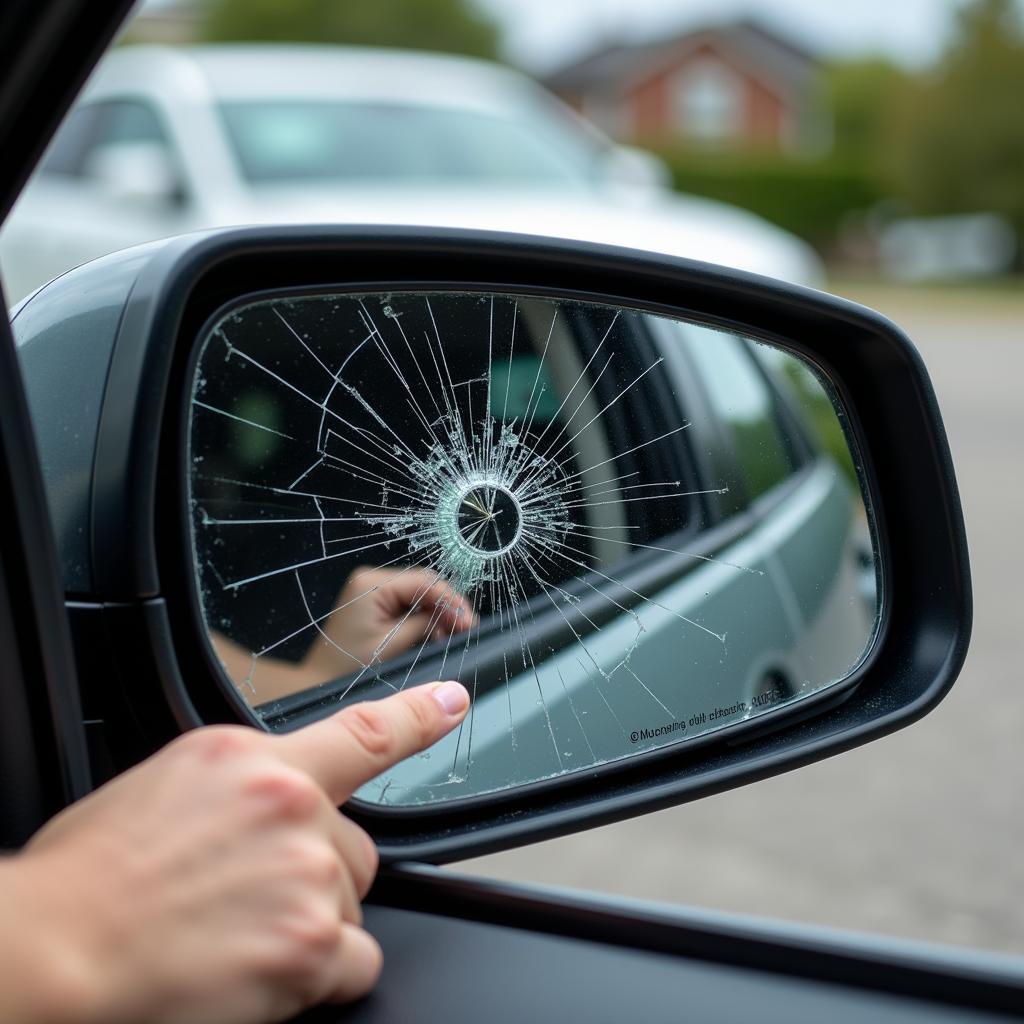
542,34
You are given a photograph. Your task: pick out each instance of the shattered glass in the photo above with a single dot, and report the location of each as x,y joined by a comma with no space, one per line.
619,531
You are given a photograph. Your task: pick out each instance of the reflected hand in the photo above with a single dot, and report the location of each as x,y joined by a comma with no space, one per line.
381,613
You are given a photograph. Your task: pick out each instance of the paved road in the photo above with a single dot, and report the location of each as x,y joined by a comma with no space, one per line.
920,834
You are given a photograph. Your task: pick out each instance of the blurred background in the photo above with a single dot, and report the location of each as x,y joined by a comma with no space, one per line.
876,149
889,136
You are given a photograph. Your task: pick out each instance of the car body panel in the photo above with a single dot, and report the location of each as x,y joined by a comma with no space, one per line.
519,975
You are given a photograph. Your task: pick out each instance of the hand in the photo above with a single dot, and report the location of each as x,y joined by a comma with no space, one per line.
378,614
383,612
216,881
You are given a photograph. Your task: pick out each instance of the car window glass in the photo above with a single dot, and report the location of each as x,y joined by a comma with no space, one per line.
92,128
131,121
128,122
743,401
288,141
77,135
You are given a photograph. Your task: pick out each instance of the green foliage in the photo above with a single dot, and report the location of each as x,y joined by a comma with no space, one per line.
809,198
942,141
860,95
813,395
957,139
448,25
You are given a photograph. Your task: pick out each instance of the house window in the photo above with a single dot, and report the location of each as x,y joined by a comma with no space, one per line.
707,101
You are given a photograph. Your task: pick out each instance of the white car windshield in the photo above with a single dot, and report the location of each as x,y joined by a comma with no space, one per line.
284,141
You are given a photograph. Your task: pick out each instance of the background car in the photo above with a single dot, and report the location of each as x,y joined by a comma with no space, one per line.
165,141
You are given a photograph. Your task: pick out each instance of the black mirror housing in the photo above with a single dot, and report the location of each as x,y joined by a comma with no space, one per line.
105,352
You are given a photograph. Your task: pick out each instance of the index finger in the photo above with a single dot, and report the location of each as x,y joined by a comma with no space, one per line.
343,752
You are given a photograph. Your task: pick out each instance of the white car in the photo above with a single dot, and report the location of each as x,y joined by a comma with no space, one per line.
165,141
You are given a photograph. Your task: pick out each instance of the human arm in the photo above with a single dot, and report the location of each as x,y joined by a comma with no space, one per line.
215,881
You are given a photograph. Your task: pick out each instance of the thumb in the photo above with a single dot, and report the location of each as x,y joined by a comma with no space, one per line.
348,749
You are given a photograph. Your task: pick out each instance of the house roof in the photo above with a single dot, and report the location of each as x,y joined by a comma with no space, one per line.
619,68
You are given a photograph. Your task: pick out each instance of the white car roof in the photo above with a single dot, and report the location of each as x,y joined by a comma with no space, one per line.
272,72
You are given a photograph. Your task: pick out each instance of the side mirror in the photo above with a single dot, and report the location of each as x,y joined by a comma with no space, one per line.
635,169
136,172
676,527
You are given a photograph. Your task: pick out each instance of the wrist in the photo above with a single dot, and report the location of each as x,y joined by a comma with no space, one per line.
46,973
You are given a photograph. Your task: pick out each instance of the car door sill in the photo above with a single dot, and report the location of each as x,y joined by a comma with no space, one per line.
927,971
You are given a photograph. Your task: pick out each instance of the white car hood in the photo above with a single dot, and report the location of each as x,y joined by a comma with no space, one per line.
675,225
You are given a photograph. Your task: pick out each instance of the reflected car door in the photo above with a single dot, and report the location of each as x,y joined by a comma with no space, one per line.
773,434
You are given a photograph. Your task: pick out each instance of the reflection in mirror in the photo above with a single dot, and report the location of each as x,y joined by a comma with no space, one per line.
620,531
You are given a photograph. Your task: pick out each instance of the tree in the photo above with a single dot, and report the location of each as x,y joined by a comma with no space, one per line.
860,95
957,140
448,25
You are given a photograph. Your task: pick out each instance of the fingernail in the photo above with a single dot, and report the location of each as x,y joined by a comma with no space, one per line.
452,697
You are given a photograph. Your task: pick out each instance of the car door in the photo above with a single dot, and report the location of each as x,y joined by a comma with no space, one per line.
456,949
43,760
43,753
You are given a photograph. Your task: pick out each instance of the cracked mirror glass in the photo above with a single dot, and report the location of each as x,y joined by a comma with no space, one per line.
621,532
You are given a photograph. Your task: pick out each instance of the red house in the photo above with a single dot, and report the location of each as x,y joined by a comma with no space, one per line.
737,86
